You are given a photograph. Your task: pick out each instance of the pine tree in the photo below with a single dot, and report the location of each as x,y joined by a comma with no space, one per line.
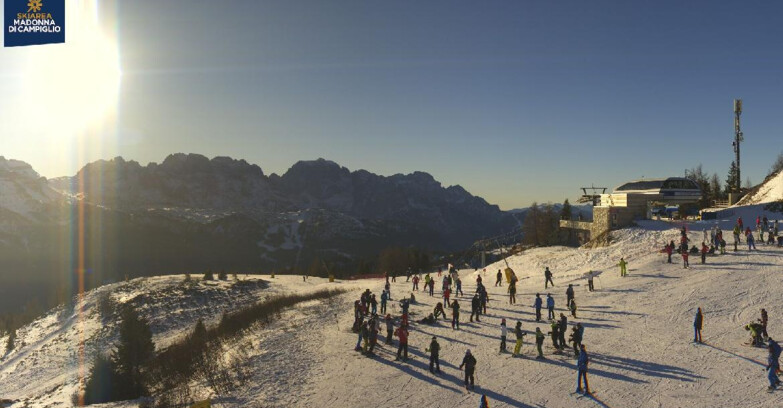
222,275
565,212
208,275
777,166
731,179
9,345
133,353
100,387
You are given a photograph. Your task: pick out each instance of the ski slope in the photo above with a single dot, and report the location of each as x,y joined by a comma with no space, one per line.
638,335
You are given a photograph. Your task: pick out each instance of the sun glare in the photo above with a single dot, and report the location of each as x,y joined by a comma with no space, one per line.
74,86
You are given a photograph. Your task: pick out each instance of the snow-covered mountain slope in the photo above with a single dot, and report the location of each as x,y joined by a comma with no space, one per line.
23,192
638,333
770,190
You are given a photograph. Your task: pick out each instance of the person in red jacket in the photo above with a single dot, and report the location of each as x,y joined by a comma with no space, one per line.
669,249
402,333
415,282
704,251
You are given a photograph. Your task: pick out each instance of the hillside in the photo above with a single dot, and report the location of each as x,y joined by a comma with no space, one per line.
769,191
638,334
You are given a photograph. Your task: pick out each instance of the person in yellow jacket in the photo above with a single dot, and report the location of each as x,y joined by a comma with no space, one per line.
622,265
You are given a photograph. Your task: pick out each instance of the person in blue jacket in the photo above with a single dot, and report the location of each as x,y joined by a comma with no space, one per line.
550,305
697,325
537,305
581,366
771,368
776,349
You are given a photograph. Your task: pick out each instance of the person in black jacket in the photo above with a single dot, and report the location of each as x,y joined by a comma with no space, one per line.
434,351
475,307
569,295
499,282
561,331
697,325
469,362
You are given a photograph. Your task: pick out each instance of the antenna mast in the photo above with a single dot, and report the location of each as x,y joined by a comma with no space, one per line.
737,139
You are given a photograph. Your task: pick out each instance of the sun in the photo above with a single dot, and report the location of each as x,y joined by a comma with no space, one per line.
72,87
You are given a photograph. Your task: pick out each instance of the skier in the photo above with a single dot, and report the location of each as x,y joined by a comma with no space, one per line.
539,342
499,282
697,325
537,305
669,250
459,287
439,311
430,320
772,367
469,362
389,329
737,230
483,402
755,333
434,350
475,307
550,305
512,292
561,331
384,298
569,294
622,266
455,315
581,365
576,338
520,335
484,297
749,239
359,329
764,320
415,282
503,333
373,334
704,251
365,336
374,304
590,281
685,257
553,333
446,294
402,333
548,278
573,309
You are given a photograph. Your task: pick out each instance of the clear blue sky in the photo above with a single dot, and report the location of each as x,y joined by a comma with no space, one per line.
517,101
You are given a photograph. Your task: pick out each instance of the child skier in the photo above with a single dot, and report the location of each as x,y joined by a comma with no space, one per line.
573,308
434,350
550,305
503,333
389,329
548,278
469,362
439,311
697,325
402,333
520,335
539,342
537,305
569,294
499,281
622,266
455,315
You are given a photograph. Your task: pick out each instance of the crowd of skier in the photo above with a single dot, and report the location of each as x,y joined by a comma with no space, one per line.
367,323
367,320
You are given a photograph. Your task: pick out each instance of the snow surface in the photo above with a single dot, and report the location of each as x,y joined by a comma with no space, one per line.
638,334
770,191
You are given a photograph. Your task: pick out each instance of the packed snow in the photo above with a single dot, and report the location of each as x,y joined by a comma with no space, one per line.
639,332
